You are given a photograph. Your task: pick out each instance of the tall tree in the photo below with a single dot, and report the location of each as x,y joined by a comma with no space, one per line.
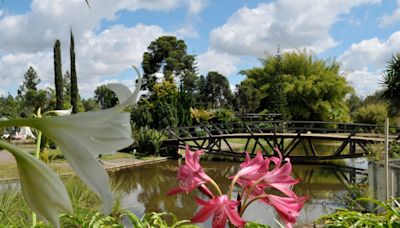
167,55
31,80
30,97
74,80
58,78
218,90
391,82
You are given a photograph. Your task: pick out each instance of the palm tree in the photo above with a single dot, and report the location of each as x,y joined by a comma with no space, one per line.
391,82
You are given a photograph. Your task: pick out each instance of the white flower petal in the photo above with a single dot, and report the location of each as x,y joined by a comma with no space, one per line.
62,112
41,187
123,93
125,97
83,137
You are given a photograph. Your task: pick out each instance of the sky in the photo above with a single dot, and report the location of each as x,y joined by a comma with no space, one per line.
225,35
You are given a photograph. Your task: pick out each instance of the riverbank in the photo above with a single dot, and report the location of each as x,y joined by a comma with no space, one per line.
119,161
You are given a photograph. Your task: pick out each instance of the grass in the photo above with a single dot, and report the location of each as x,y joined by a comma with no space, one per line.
14,212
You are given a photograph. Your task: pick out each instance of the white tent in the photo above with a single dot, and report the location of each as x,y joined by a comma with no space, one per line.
24,132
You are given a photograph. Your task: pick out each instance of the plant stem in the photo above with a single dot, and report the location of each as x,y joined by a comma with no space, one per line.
232,186
216,186
245,205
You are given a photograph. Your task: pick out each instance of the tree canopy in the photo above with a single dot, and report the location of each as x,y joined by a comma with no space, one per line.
313,88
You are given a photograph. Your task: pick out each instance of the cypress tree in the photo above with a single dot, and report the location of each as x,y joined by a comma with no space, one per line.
58,78
74,81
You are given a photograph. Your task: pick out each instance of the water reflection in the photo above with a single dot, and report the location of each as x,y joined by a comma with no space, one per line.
145,189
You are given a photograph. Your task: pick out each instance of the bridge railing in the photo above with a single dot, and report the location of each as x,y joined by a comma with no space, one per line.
278,126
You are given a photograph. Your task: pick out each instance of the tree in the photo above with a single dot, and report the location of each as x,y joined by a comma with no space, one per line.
218,91
90,104
58,78
167,55
105,97
391,82
31,80
247,96
30,98
314,88
74,80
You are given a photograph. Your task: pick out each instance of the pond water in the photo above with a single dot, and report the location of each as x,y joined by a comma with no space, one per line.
145,189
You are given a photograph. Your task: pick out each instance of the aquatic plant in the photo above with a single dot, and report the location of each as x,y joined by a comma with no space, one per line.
255,179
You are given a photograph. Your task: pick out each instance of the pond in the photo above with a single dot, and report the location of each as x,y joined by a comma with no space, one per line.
145,189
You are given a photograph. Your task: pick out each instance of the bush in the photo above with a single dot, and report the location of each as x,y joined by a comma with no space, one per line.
141,116
223,116
371,113
200,116
148,141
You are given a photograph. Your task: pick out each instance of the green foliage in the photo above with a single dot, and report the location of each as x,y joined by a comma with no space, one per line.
255,225
388,217
223,116
394,149
217,90
371,113
312,87
74,80
8,107
90,104
248,96
200,116
159,220
141,115
391,82
31,80
105,97
148,141
168,55
58,78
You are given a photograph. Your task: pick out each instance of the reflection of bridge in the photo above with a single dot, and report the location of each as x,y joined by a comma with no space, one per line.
353,139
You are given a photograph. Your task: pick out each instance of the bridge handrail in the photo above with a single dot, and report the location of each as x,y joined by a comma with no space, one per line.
275,126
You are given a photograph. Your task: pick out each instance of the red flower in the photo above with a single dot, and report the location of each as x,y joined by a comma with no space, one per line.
190,175
222,209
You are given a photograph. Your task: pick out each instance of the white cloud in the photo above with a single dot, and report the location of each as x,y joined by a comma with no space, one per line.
187,30
365,62
100,54
364,82
196,6
291,24
391,19
213,60
370,54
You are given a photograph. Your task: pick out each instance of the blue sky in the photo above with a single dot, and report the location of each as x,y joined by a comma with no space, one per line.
226,35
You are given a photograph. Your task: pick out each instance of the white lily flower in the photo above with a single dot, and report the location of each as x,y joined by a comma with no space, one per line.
41,187
82,137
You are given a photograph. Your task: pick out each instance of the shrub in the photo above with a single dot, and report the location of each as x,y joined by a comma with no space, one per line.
148,141
200,116
223,116
371,113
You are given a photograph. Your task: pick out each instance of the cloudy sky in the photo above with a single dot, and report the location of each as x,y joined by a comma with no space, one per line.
226,35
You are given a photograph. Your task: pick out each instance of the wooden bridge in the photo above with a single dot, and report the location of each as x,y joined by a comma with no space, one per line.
350,140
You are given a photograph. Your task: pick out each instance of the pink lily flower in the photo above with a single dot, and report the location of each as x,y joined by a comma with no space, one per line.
253,169
280,178
288,208
256,170
222,209
191,175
